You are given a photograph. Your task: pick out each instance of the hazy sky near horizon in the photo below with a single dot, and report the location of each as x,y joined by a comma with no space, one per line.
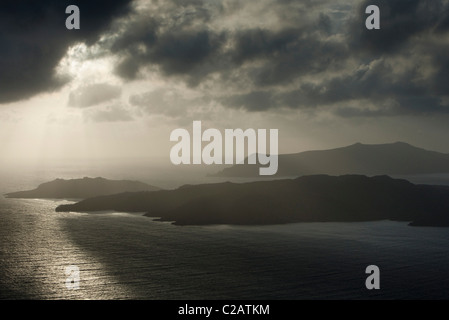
136,70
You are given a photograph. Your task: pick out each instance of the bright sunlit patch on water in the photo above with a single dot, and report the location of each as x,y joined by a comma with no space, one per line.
36,252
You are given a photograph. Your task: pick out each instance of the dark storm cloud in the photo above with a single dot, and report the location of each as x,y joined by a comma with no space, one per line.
286,54
33,39
304,56
374,83
176,53
173,38
267,68
401,20
197,52
440,60
392,94
258,43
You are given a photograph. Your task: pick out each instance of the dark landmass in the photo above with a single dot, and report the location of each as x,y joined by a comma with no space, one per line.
391,159
318,198
82,188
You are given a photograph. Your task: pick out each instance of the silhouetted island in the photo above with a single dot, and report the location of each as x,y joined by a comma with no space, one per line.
318,198
82,188
392,159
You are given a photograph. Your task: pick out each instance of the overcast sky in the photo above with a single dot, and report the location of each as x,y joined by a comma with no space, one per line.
136,70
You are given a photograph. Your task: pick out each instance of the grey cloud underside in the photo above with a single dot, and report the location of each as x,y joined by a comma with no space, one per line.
94,94
33,39
328,59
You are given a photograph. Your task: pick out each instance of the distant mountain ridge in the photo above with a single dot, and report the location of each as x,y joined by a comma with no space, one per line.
82,188
377,159
316,198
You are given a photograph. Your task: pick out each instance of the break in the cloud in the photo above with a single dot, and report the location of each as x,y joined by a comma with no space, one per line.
94,94
33,40
403,22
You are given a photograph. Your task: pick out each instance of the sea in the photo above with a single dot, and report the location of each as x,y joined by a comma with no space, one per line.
121,256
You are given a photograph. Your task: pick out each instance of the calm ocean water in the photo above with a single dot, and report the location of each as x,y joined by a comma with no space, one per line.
128,256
